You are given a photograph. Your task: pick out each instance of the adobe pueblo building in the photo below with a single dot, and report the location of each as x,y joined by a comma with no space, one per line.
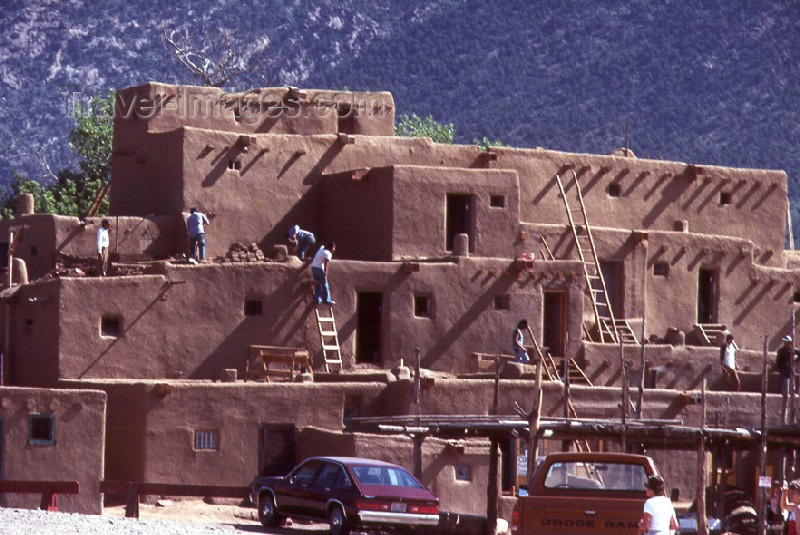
156,373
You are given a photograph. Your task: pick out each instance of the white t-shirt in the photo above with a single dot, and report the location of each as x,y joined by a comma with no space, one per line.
730,356
319,258
660,508
102,239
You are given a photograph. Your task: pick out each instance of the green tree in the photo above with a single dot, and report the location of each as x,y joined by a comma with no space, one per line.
73,191
485,143
415,126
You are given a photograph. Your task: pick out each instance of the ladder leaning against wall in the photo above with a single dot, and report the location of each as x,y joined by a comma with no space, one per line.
329,339
609,329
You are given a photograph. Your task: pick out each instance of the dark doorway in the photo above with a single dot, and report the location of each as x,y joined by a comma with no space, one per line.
707,296
277,450
460,219
554,322
614,276
369,309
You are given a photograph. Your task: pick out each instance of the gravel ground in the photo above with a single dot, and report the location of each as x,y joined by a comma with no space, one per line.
34,521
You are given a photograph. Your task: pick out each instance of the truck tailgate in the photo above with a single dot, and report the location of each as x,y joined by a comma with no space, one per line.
578,515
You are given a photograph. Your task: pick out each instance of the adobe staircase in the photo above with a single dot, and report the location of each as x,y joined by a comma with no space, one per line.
609,329
711,332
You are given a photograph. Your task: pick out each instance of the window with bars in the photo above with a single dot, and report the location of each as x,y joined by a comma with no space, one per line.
205,439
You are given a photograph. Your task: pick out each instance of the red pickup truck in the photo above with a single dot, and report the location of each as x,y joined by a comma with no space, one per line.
584,494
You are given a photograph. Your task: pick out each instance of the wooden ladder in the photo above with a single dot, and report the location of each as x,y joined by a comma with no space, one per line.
595,283
329,340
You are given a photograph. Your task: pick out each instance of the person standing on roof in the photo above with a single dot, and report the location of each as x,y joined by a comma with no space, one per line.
319,270
727,357
786,357
659,515
102,247
197,234
518,342
302,240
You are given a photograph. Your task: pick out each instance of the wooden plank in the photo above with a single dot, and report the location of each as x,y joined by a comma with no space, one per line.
36,487
116,487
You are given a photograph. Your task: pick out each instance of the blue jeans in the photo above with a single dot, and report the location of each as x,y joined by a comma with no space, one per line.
303,244
197,242
322,292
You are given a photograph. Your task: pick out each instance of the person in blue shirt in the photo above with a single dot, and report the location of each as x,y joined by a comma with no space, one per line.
302,240
197,235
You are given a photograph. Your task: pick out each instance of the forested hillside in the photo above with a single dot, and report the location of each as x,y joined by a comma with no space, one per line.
711,82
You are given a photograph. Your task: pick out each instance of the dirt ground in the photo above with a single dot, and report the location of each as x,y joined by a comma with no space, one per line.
245,519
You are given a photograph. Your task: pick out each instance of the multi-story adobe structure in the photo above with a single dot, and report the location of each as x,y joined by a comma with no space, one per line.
435,248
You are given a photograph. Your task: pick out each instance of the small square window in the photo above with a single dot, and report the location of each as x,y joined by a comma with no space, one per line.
41,429
252,308
726,197
206,440
497,201
235,165
502,302
463,472
796,297
111,326
661,269
422,306
614,190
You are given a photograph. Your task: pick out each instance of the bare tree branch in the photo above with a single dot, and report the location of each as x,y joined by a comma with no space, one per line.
214,65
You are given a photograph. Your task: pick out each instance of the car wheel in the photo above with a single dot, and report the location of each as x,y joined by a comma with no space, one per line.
338,522
267,512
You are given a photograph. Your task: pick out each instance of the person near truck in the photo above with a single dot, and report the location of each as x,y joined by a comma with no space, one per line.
786,357
659,515
518,342
790,502
727,357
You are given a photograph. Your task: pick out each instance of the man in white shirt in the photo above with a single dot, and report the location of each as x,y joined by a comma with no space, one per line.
102,247
197,234
659,515
319,270
727,357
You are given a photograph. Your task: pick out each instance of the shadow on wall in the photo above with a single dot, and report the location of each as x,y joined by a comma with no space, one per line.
128,326
274,328
306,212
480,305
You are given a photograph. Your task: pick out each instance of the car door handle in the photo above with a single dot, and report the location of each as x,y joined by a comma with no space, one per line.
589,513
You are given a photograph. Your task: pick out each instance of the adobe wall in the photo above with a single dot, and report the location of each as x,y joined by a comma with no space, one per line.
173,410
653,195
754,296
193,318
46,239
76,455
275,110
404,208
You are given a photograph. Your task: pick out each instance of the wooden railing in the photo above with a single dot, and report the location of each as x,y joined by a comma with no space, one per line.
48,489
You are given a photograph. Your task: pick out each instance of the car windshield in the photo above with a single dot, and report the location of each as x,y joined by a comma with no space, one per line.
387,476
596,475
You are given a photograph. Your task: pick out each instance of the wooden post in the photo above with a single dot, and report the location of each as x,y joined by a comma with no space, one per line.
492,491
567,396
533,424
640,401
762,449
702,528
723,480
496,399
10,258
625,402
418,438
